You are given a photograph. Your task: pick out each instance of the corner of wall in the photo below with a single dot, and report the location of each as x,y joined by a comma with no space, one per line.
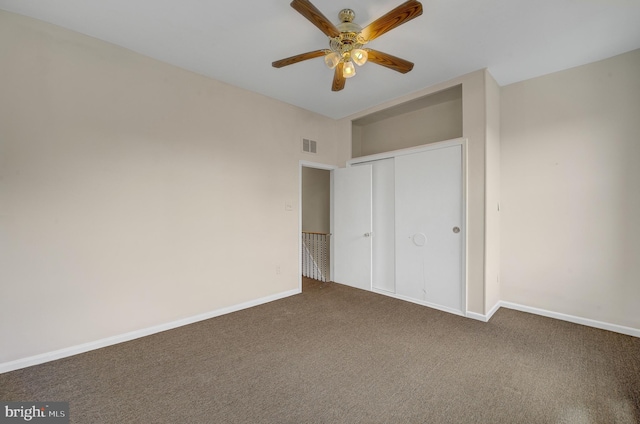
492,193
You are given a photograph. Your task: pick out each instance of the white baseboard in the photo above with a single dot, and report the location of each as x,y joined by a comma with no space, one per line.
570,318
556,315
74,350
493,311
483,318
476,316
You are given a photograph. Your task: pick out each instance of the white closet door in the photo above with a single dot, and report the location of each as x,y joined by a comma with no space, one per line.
384,249
429,239
352,226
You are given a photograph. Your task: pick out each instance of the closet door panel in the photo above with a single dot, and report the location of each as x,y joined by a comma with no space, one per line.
428,190
352,223
384,258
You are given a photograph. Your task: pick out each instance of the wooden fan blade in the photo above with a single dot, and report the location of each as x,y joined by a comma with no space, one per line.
297,58
389,61
309,11
398,16
338,79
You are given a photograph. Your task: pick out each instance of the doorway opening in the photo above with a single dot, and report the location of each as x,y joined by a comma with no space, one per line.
315,222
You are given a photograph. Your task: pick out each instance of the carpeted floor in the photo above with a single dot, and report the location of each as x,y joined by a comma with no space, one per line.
335,354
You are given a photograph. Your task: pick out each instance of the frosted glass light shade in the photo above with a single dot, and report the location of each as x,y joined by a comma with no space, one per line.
349,70
332,60
359,56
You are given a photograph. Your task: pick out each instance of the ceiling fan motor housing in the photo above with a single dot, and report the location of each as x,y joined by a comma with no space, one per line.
349,38
346,15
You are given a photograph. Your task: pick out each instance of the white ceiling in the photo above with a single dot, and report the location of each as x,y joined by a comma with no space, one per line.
235,42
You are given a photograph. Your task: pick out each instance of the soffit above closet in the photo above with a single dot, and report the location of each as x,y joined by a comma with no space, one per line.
447,95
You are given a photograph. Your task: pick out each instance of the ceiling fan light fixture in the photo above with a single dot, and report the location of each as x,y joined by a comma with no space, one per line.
332,60
349,70
347,40
359,56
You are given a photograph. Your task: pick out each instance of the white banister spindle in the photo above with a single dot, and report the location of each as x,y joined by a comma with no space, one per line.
315,255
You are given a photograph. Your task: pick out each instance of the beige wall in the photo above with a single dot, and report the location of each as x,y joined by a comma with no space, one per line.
133,193
356,141
438,122
492,195
571,191
474,130
316,200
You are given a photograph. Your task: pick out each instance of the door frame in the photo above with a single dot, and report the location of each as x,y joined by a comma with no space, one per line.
315,165
426,147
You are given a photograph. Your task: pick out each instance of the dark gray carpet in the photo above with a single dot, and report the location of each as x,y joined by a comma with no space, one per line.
335,354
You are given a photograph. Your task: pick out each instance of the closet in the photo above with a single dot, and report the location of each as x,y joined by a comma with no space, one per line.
399,225
398,214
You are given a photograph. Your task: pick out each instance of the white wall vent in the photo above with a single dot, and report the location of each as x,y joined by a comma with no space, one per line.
309,146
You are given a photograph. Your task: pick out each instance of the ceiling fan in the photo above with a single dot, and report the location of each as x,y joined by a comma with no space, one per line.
347,40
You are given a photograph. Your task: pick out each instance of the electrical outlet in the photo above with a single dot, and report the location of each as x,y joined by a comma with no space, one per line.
278,269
